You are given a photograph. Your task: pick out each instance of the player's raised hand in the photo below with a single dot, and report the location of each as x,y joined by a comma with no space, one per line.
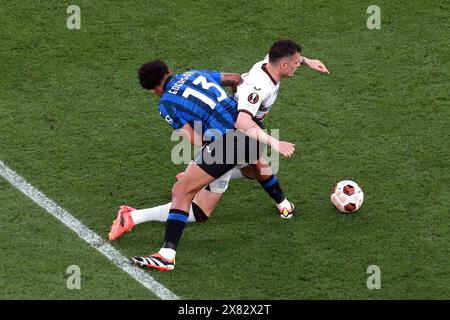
316,65
286,149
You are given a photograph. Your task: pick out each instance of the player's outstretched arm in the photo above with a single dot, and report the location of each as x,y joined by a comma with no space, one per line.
230,80
249,127
315,65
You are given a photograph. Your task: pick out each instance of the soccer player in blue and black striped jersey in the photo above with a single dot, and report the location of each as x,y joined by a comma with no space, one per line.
198,96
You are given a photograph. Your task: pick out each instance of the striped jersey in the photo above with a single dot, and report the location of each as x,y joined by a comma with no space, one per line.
197,96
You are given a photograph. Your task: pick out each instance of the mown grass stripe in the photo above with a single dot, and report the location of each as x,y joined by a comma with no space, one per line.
93,239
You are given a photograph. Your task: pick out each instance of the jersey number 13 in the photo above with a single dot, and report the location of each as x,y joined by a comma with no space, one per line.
201,80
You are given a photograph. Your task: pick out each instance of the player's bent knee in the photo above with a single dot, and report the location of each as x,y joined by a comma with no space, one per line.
183,190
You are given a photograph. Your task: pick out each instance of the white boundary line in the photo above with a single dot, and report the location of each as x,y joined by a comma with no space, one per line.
93,239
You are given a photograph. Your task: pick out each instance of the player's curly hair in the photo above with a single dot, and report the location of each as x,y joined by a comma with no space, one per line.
283,48
151,73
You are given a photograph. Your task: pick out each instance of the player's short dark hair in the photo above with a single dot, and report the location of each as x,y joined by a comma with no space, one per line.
283,48
151,73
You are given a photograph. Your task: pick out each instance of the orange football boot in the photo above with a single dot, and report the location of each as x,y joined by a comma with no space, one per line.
122,224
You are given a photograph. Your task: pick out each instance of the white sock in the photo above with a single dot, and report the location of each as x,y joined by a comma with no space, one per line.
237,174
167,253
159,213
285,204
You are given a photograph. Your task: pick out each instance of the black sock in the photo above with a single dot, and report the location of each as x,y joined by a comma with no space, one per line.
199,214
273,189
176,221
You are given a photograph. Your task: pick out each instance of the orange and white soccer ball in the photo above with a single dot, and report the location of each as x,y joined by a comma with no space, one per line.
347,196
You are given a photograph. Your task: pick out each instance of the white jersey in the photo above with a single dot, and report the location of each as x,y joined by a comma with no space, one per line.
255,95
258,91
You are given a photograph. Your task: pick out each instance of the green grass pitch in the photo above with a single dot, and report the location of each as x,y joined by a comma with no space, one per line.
75,123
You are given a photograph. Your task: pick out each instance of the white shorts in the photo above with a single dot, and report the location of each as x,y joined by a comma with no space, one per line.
220,185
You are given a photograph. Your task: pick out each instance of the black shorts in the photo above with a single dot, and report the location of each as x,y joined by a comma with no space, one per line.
234,148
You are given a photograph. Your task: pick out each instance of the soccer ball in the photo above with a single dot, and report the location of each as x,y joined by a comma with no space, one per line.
347,196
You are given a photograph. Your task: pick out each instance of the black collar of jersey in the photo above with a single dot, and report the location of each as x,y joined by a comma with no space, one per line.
263,67
167,81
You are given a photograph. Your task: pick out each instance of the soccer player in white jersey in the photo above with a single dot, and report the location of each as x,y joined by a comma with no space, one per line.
256,96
